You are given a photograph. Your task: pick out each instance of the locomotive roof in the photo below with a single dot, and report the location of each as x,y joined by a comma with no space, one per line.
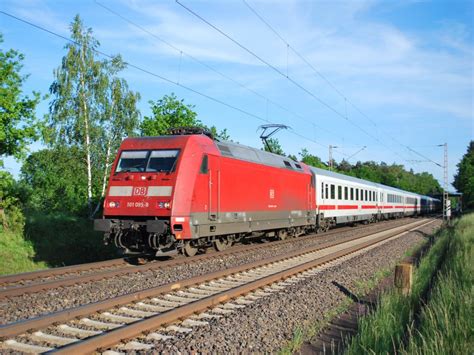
243,152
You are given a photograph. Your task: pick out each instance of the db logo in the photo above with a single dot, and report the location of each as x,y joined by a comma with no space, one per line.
139,191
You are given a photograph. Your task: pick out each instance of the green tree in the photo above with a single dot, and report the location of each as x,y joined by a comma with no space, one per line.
18,125
73,118
55,180
464,178
275,146
92,108
119,117
311,159
170,112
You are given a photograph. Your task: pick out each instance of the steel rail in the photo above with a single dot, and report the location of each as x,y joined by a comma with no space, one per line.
126,332
128,269
32,275
13,329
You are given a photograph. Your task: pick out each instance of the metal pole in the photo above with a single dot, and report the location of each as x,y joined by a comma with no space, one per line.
446,202
331,161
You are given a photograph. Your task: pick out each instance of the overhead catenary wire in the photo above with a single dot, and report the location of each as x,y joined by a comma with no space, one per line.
210,67
148,72
294,82
321,75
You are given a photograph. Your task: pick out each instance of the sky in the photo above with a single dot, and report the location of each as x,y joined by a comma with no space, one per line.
389,76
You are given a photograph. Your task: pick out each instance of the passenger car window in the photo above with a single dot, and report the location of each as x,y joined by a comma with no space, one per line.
333,192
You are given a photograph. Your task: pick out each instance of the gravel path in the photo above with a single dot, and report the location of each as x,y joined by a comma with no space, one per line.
32,305
268,324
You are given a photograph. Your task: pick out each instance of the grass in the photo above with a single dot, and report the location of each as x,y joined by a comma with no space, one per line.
50,240
302,334
445,324
17,254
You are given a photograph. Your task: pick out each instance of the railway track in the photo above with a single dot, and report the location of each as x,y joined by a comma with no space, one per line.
42,280
134,321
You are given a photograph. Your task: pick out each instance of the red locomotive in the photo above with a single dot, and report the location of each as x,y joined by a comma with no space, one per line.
187,191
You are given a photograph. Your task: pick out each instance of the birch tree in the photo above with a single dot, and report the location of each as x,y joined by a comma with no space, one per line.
73,118
118,114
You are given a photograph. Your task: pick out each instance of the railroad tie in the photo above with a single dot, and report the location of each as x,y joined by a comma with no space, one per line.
177,329
83,333
180,299
165,303
117,318
99,325
26,348
135,345
220,310
230,305
193,323
205,315
135,312
192,295
52,339
151,307
158,336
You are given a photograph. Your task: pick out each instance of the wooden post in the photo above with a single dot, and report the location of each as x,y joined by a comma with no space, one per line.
404,278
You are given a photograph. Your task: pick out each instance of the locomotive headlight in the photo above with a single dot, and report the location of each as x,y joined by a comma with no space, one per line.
113,204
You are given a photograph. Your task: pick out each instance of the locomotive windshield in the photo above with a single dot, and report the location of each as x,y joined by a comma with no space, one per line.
147,161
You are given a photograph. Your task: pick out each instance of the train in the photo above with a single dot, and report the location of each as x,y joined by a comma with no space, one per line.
184,192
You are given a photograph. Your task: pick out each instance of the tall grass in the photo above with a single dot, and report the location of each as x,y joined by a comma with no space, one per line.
17,254
446,324
385,330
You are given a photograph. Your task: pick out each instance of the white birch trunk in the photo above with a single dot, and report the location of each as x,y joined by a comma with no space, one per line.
87,134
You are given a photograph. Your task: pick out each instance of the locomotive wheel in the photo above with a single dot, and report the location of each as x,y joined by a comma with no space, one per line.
221,244
189,249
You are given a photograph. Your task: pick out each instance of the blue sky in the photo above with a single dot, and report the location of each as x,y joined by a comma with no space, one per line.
407,66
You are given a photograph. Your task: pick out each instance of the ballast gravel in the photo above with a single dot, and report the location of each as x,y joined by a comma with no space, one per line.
267,325
36,304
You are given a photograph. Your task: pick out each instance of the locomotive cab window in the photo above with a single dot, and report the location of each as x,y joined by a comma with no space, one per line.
162,161
132,161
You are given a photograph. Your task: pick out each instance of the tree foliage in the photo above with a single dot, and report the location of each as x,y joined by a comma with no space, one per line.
170,112
275,146
92,109
18,126
310,159
54,180
464,178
